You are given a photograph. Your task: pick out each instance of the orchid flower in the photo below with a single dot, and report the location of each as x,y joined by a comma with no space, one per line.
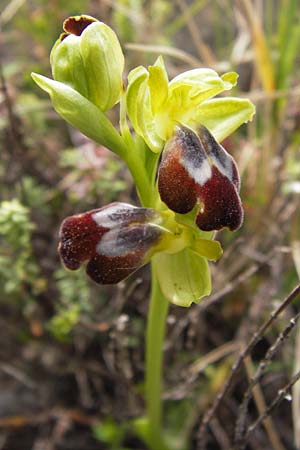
188,184
183,175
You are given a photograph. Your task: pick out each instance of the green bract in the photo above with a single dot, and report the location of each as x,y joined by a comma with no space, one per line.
81,113
178,117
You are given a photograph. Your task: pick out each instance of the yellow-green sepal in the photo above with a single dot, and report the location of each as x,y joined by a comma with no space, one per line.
222,116
103,61
207,248
67,65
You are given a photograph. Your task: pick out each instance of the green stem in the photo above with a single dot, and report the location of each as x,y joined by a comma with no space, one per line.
158,309
140,177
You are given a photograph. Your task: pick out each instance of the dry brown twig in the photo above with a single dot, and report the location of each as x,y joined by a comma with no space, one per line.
236,366
282,393
260,403
242,416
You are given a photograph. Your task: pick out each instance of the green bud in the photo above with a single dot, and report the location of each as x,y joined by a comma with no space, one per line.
88,58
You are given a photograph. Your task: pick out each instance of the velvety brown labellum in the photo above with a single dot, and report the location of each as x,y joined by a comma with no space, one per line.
196,169
115,240
129,248
79,236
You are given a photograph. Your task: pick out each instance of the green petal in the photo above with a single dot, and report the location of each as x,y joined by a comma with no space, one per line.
184,277
230,77
139,108
222,116
158,84
211,250
197,85
136,79
81,113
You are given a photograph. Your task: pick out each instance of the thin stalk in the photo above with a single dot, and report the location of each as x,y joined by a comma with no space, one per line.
140,176
156,326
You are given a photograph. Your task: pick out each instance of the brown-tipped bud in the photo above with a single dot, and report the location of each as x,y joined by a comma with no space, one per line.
88,58
195,168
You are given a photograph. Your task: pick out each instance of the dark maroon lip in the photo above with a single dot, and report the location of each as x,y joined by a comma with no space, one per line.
195,168
77,24
114,241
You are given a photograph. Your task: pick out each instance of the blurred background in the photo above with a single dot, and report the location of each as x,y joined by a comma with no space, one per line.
71,353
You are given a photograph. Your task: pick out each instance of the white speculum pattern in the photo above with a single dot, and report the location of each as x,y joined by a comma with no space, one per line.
218,156
224,165
108,217
109,245
199,174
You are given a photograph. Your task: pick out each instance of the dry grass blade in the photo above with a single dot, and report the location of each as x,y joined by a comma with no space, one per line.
236,366
261,406
262,53
295,246
242,416
213,356
203,50
10,10
165,50
282,393
296,392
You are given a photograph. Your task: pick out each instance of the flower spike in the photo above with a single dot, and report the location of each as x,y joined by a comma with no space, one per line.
115,240
196,169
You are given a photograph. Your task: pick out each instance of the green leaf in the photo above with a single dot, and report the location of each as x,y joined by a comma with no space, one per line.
81,113
222,116
184,277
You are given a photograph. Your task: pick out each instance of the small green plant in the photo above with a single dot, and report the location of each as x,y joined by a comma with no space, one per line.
187,183
19,272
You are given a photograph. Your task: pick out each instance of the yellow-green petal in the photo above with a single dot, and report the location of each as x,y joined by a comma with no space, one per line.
158,84
209,249
139,108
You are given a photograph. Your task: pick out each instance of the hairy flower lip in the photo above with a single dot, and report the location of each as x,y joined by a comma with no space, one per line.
115,241
196,169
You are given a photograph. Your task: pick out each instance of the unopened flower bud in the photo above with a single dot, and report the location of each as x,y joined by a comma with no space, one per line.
88,57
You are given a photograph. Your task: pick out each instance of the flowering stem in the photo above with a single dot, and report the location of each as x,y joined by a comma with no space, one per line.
158,309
